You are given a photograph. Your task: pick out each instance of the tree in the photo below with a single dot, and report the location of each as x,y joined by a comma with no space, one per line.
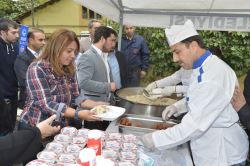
11,9
6,8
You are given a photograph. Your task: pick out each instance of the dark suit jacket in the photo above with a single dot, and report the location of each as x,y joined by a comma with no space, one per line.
21,65
244,113
247,88
123,68
92,76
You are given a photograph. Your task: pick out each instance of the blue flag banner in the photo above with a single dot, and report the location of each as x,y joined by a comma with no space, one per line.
23,37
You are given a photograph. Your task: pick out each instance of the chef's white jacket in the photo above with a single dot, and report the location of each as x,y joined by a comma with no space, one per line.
216,138
181,75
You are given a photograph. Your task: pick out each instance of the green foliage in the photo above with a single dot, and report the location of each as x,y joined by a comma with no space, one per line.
11,9
235,48
6,8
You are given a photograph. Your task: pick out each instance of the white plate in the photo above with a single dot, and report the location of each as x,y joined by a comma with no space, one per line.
112,114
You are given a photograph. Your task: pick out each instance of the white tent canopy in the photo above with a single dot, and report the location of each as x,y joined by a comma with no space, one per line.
228,15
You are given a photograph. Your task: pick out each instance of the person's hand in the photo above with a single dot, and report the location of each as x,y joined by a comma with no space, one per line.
89,104
113,86
100,103
148,142
88,115
169,111
238,100
143,74
151,86
46,129
167,91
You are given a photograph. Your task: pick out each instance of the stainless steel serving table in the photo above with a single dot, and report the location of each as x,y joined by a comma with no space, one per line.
177,156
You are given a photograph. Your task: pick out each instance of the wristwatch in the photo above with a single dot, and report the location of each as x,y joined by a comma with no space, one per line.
76,117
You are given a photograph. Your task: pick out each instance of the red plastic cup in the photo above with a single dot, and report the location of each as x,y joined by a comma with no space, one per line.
94,141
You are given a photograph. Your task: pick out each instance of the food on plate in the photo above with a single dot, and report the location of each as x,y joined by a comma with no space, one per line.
164,101
101,109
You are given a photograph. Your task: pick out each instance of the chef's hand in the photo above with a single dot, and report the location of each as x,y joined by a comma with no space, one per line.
148,142
46,129
169,90
151,86
169,111
238,100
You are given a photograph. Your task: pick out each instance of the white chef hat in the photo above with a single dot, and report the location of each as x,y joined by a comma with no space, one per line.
177,33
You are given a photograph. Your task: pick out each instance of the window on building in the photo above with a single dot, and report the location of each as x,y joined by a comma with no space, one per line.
91,14
98,16
84,12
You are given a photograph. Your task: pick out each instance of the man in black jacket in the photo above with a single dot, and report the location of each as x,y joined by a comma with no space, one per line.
36,40
8,80
23,145
241,103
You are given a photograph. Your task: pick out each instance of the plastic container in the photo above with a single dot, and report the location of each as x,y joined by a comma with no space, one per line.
56,147
37,162
63,139
110,154
67,158
73,149
126,146
47,156
83,132
79,141
70,131
129,138
114,136
114,145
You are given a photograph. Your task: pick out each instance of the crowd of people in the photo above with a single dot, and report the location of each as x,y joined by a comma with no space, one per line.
63,78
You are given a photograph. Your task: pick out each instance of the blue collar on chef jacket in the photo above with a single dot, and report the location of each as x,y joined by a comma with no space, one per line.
199,62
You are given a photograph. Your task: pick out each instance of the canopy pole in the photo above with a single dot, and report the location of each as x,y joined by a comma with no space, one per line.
120,30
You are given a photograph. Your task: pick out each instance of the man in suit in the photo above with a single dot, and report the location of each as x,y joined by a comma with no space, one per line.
93,72
36,40
86,42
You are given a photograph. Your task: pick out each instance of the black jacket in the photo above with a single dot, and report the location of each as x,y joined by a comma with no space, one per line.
244,113
8,80
247,88
20,146
123,68
21,65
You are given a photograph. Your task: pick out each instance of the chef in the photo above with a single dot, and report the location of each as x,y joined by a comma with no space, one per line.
211,122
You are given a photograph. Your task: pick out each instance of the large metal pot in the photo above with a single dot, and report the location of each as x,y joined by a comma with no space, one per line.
137,108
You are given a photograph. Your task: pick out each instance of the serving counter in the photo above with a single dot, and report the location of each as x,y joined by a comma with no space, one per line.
177,156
